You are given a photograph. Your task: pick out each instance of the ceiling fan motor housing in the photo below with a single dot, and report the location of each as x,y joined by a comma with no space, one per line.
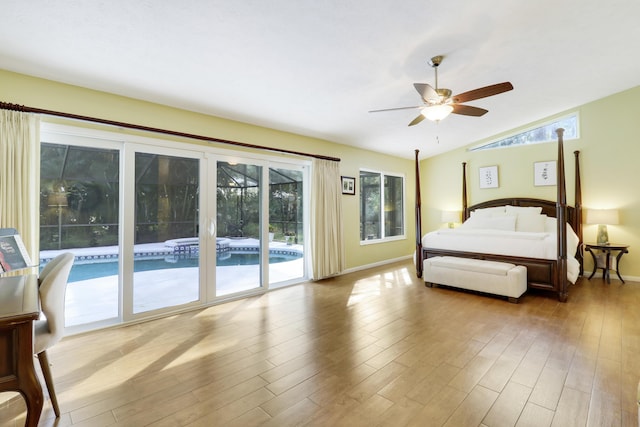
436,60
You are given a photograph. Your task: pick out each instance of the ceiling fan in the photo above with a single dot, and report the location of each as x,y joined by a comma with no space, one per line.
438,103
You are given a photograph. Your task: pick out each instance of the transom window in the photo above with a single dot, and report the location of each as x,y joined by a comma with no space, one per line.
537,135
381,206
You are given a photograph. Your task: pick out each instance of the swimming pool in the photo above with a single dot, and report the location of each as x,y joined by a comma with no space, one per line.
85,271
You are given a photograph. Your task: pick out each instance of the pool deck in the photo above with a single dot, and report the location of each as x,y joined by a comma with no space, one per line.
97,299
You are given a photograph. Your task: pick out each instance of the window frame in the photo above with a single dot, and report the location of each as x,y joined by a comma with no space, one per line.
567,136
383,238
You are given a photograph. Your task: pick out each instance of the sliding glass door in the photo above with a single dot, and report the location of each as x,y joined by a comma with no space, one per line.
80,213
238,216
286,224
166,249
157,227
260,219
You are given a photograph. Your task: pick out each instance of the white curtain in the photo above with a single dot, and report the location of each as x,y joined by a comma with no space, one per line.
327,242
20,176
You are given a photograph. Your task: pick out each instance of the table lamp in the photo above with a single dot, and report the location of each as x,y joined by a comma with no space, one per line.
450,217
603,217
59,200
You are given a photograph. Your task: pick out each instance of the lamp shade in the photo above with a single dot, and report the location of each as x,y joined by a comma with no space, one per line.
603,216
437,112
57,199
450,216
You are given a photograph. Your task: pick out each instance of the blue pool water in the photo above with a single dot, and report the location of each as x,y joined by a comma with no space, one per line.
101,269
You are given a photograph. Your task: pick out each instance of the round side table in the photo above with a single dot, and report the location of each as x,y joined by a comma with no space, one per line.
609,249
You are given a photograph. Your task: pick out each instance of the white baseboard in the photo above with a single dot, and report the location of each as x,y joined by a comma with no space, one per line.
613,276
376,264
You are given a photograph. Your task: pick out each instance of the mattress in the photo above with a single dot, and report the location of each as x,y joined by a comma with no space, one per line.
541,245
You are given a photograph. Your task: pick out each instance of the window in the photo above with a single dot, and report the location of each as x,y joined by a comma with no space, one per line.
540,134
381,206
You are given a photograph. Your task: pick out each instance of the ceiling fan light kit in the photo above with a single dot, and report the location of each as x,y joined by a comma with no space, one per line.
437,112
438,103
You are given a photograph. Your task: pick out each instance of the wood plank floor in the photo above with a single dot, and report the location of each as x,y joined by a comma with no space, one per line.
372,348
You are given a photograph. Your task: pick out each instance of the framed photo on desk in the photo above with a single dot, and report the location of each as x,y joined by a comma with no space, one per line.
13,254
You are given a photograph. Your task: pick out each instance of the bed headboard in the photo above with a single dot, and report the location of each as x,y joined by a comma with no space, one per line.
549,207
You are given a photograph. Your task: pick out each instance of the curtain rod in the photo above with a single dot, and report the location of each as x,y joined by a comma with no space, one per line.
25,109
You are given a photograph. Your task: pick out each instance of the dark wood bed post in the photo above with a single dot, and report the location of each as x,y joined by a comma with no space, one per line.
465,207
577,224
561,215
418,221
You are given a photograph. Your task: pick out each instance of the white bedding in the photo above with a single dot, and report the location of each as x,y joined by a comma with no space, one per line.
501,242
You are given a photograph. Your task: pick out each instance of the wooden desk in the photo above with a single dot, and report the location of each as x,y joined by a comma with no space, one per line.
19,308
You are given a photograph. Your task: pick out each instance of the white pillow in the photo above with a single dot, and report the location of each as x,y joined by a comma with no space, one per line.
572,240
515,210
504,222
550,224
487,212
531,223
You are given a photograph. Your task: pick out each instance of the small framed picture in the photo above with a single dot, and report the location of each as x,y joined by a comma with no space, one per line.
348,185
544,173
489,177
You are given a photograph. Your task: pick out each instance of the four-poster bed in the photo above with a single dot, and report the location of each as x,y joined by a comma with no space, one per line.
546,272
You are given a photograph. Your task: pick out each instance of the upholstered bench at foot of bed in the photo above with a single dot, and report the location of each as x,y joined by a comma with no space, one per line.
492,277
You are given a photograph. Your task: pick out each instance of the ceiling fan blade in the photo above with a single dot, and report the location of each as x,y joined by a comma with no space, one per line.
482,92
427,93
399,108
417,120
468,110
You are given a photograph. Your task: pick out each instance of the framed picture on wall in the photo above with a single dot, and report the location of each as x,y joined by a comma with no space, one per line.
489,177
544,173
348,185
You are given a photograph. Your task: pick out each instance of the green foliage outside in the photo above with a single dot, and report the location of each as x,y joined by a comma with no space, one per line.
79,199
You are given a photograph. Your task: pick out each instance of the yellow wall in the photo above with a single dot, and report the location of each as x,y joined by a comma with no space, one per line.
609,163
48,95
608,144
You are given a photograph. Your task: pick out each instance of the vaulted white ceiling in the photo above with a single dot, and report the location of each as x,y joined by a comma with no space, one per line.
317,67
